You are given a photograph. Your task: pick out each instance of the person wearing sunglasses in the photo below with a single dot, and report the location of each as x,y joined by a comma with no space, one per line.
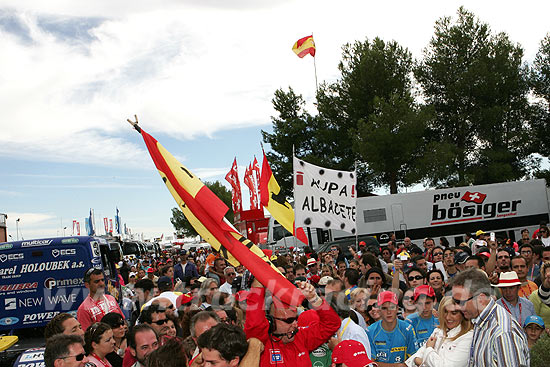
65,351
392,341
498,338
118,325
415,277
284,343
99,342
155,316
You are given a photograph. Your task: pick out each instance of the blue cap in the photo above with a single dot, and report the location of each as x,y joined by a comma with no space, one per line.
534,319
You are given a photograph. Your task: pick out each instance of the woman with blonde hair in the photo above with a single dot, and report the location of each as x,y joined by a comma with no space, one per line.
358,304
449,345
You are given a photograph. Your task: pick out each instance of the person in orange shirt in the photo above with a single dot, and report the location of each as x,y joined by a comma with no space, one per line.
519,265
209,262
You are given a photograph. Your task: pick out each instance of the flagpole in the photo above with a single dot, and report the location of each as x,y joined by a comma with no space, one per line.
315,69
356,231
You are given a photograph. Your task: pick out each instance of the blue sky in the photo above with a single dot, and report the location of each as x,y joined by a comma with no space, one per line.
199,74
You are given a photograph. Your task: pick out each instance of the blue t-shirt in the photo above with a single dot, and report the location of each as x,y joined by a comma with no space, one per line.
422,327
394,346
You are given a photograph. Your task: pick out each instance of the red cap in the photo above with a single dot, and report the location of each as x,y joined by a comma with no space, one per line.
486,254
387,296
362,243
315,279
423,290
169,261
183,299
150,270
352,353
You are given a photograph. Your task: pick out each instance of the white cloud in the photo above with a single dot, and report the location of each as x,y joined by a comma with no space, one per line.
189,68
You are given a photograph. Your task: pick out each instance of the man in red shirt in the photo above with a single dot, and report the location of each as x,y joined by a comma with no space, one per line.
286,344
97,304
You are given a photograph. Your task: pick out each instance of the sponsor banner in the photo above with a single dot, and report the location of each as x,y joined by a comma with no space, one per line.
34,243
38,318
6,246
464,206
8,321
51,283
12,303
63,252
11,257
18,287
324,198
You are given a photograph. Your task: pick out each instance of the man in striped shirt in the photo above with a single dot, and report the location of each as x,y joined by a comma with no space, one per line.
498,338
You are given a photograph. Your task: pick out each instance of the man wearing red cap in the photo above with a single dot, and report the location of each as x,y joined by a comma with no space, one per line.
392,341
351,353
423,320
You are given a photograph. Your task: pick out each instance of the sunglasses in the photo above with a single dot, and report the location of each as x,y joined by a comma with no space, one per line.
438,253
417,277
78,357
160,322
288,320
462,303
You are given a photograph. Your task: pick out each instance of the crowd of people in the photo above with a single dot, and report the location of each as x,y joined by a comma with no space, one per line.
482,303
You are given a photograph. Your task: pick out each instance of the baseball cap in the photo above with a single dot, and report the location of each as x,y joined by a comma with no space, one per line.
201,279
352,353
164,281
324,280
534,319
132,274
461,257
479,232
311,261
425,289
184,299
387,296
150,270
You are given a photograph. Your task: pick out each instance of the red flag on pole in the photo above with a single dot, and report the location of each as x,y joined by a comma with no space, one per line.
206,213
233,178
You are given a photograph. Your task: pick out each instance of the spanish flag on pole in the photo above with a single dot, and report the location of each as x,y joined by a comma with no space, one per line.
206,213
275,202
304,46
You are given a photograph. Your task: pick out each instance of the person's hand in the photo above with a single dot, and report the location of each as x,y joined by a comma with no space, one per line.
418,361
398,264
307,290
492,245
431,342
255,344
494,278
374,289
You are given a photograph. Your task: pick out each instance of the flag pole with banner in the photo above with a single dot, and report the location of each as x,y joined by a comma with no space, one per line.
324,198
275,202
206,213
306,46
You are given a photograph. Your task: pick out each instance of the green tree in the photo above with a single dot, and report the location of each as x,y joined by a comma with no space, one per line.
375,83
182,225
540,82
391,141
478,87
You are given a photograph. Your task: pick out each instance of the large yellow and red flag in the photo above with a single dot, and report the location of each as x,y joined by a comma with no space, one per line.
275,202
304,46
206,213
